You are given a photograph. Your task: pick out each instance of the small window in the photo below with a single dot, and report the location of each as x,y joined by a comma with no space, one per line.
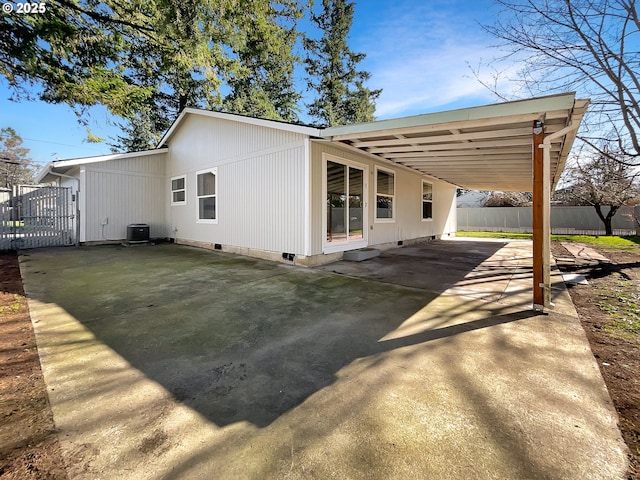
206,192
178,191
427,201
385,194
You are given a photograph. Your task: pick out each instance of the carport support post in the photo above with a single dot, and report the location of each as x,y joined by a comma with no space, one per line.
541,214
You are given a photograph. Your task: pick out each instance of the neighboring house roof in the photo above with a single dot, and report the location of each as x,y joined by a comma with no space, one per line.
471,199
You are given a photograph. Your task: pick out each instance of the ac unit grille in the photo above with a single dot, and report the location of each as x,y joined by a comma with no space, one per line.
138,232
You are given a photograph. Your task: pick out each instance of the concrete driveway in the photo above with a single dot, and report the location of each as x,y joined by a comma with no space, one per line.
171,362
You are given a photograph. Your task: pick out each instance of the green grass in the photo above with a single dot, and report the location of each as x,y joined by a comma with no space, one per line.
462,233
12,223
611,242
623,306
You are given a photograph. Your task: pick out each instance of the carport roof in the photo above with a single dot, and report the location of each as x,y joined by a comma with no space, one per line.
479,148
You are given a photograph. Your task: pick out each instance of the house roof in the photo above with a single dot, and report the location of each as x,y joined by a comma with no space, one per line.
479,148
62,166
277,124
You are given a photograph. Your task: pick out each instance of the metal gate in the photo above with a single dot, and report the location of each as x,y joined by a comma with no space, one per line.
36,216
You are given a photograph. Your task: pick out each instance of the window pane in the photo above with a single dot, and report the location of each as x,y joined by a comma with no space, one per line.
427,191
384,207
385,183
206,184
426,210
207,208
177,184
356,187
178,196
336,196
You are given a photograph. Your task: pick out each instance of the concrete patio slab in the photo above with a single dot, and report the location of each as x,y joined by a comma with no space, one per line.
171,362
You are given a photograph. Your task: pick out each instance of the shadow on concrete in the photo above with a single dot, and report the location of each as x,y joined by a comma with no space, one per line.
414,375
436,266
239,339
444,332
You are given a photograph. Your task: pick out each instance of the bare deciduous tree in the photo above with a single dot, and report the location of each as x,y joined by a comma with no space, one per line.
604,180
508,199
590,46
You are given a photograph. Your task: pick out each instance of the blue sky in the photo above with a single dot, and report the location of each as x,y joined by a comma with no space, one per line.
418,52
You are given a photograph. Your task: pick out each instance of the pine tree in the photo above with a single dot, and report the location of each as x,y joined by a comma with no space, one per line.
263,86
331,66
243,46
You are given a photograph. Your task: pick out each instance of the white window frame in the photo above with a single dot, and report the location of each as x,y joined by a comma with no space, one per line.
330,247
422,200
184,189
376,194
214,171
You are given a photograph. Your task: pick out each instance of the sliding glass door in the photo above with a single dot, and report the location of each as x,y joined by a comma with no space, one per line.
346,205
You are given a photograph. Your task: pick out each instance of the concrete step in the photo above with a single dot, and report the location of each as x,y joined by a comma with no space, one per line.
361,255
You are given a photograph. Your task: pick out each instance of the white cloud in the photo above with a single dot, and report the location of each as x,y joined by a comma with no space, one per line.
421,59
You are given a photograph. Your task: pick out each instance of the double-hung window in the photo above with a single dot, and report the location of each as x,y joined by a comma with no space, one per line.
207,193
427,201
385,195
178,190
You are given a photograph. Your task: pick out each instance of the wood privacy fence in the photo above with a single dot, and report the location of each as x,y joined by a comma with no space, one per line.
564,220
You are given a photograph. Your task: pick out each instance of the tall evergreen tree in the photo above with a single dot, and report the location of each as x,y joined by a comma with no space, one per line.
146,61
263,86
183,63
331,66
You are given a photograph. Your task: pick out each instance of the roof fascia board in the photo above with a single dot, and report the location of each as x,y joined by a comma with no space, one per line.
43,172
508,109
289,127
104,158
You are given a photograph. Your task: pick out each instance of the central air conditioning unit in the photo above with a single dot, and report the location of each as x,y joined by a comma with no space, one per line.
137,233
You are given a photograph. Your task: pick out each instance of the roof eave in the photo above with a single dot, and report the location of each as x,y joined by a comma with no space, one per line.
519,107
289,127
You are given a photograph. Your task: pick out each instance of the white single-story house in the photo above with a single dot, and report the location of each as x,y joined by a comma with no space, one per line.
302,194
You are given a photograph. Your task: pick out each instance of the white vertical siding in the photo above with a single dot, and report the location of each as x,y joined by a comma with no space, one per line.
261,204
408,222
261,184
124,191
203,142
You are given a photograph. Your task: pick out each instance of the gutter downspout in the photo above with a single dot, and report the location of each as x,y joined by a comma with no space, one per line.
546,205
49,171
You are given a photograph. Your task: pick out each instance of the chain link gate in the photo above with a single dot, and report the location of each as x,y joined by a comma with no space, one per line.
36,216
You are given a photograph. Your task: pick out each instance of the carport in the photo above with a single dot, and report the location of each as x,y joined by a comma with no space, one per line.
519,146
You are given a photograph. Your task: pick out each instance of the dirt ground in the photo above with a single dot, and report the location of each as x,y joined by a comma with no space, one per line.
609,309
607,306
28,445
